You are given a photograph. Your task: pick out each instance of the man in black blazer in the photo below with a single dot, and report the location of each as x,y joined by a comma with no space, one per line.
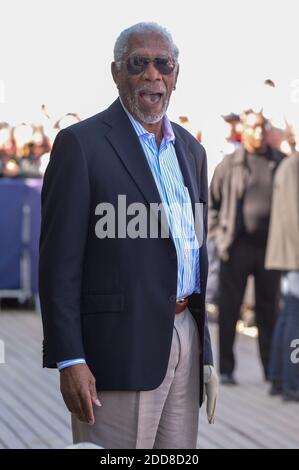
124,317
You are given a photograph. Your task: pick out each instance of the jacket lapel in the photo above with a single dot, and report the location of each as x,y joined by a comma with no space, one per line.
189,172
125,142
188,168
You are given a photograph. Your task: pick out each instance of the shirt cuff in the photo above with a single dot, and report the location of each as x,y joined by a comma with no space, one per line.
71,362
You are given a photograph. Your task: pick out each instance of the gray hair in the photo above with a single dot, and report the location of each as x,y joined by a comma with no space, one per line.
121,44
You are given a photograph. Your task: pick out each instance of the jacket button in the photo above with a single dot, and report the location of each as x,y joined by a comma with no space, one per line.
172,298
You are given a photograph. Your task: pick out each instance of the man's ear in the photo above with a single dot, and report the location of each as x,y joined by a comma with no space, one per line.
115,73
176,76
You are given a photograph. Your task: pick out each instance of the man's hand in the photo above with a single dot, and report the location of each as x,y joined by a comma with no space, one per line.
77,385
211,386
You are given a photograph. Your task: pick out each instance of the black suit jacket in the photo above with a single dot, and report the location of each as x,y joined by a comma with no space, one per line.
112,301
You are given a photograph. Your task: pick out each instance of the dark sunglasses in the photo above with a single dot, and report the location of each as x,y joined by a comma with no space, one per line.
137,64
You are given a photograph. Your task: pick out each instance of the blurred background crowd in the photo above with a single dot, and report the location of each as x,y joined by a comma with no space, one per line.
25,148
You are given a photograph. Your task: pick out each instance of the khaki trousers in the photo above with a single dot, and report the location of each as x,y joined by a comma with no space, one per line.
164,418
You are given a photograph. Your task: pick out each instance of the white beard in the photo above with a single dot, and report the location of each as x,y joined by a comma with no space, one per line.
146,118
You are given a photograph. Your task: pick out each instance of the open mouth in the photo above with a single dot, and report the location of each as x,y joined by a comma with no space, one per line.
150,98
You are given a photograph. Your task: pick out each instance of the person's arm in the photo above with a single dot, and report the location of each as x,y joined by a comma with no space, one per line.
208,354
65,214
64,227
210,374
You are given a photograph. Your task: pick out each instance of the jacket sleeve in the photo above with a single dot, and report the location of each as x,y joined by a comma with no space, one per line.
208,353
65,215
214,202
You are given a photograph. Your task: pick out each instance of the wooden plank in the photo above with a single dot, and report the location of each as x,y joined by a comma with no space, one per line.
40,417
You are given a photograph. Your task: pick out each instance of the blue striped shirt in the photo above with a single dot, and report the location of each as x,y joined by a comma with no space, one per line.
176,201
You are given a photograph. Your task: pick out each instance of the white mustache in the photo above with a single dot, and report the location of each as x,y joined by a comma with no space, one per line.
146,88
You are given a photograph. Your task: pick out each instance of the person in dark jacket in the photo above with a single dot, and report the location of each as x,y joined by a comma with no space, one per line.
124,309
239,214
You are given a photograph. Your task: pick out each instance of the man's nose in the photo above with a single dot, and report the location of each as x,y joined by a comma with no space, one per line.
151,73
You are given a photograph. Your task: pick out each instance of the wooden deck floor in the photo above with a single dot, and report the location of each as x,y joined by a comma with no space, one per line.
33,415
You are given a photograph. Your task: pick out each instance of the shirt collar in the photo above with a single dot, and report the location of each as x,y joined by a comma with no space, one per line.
167,129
